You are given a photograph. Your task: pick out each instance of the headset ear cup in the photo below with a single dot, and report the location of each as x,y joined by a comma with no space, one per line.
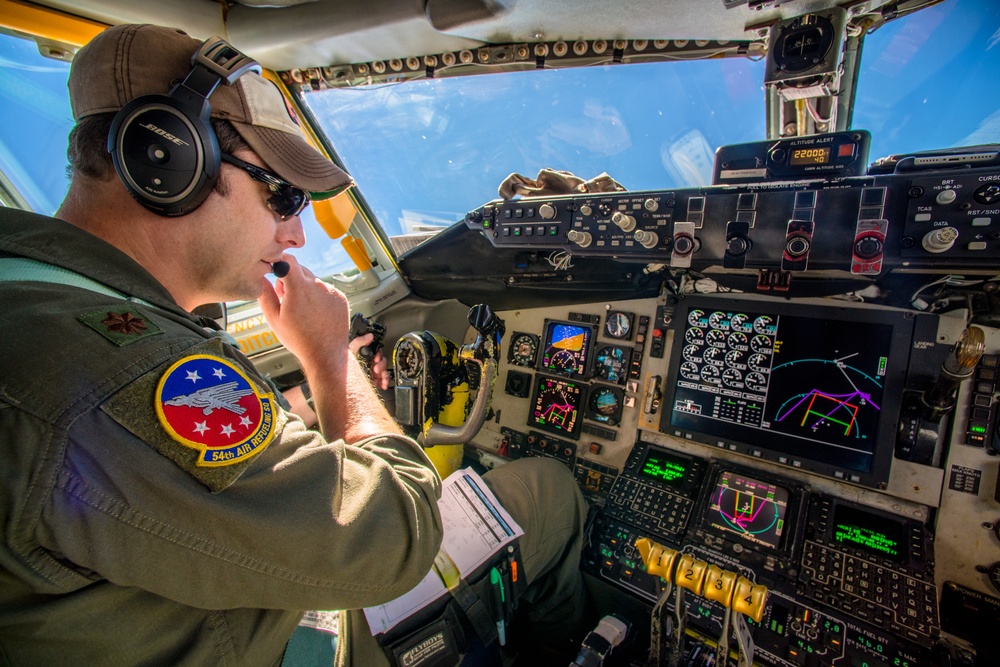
167,158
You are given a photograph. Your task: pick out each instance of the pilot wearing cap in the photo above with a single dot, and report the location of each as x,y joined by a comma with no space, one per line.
160,504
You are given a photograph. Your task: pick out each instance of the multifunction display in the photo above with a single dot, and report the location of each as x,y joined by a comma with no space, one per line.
809,388
566,348
556,404
668,470
751,509
868,532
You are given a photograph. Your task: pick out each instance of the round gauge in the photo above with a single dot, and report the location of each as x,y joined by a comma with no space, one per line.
605,404
756,382
716,338
523,348
713,355
710,374
764,325
761,343
719,320
735,358
738,340
563,361
732,378
689,371
691,352
758,362
695,336
995,575
696,318
740,322
618,325
611,364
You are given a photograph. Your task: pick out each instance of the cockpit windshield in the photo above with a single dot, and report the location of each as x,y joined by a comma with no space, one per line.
425,152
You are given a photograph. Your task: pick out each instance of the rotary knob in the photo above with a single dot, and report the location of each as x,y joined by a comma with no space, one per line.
939,240
547,211
582,239
646,239
625,221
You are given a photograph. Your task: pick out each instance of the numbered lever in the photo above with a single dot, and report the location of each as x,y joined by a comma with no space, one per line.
734,592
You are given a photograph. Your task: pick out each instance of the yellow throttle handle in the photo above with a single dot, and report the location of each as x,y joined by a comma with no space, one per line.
731,590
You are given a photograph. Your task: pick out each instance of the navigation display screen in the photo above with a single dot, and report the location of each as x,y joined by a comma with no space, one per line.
749,508
820,389
556,404
566,348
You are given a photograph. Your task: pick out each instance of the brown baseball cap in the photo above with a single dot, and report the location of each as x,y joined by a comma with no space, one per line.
127,61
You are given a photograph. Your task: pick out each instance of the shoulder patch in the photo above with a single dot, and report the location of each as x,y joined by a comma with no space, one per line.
209,404
122,326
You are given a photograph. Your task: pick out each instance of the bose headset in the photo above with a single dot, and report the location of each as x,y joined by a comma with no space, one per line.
163,146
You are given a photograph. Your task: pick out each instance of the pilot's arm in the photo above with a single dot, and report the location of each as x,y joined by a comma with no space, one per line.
299,397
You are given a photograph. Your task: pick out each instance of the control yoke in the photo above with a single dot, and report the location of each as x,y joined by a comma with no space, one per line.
433,374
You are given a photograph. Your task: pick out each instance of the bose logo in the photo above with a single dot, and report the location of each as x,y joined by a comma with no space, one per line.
166,135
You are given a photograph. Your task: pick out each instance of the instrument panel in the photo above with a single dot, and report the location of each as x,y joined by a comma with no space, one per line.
791,477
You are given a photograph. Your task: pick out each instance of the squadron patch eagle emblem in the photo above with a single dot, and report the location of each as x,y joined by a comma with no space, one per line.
207,403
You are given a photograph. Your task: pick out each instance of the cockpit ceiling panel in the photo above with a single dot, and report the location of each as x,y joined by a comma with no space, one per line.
288,34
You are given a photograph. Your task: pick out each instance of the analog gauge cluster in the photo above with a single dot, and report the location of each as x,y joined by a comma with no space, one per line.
566,356
727,350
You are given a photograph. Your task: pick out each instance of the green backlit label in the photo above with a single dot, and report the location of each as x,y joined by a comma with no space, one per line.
977,429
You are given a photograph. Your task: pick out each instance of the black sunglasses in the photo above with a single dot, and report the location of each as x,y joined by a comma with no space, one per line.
286,200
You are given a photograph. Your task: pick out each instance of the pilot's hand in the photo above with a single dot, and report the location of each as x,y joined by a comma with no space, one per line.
379,369
309,316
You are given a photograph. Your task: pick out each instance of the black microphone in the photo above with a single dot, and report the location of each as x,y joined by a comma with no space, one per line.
280,269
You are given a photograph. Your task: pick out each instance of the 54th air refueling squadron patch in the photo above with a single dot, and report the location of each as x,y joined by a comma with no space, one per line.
207,403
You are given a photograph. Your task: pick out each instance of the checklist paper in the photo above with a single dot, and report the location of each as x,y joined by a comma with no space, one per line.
475,528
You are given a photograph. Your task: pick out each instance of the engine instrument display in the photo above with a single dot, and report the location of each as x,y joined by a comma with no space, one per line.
749,508
807,388
556,405
566,348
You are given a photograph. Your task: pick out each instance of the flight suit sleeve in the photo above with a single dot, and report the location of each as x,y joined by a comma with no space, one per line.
309,524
